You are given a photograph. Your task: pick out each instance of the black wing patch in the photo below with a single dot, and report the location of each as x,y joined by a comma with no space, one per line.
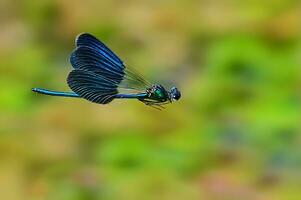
91,86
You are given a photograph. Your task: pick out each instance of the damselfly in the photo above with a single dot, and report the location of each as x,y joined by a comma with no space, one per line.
100,76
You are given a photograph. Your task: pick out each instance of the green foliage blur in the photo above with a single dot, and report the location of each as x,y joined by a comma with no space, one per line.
235,134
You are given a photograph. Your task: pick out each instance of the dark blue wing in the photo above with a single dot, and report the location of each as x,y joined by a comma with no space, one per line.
94,60
89,40
91,86
87,58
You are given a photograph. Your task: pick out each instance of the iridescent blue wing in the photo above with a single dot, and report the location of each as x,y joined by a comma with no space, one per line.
89,59
89,40
109,75
91,86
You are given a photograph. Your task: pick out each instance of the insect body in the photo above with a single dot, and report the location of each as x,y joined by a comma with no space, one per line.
100,76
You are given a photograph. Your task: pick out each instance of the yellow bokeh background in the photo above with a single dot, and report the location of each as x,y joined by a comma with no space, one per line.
234,134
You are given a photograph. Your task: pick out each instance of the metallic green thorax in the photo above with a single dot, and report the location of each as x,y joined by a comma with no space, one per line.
158,93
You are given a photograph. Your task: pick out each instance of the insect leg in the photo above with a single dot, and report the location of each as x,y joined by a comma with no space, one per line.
153,104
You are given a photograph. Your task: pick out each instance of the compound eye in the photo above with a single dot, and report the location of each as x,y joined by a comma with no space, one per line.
177,96
175,93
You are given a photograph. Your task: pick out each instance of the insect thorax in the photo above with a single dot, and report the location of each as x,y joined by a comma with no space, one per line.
158,92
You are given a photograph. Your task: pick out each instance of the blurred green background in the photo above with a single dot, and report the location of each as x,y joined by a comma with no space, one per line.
235,134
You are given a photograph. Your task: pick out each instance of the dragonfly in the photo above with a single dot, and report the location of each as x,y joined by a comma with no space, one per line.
100,76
